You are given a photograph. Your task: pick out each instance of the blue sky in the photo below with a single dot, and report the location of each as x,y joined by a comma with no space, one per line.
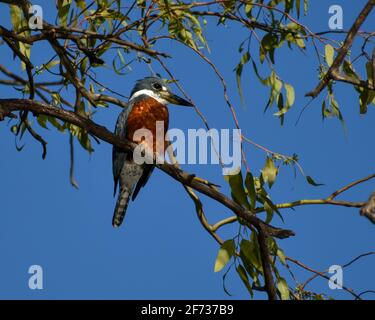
162,252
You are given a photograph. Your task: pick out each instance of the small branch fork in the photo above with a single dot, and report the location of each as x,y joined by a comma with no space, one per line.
322,274
330,200
333,71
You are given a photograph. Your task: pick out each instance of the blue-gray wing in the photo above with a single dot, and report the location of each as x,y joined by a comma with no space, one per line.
118,155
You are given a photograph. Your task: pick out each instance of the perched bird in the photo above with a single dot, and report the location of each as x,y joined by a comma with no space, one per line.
147,105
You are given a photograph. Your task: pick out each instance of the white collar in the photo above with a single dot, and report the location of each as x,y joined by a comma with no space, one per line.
150,94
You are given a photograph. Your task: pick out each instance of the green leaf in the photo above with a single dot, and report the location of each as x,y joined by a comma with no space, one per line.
290,94
269,172
280,106
251,271
269,212
298,4
81,4
242,273
18,23
269,206
369,71
312,182
281,256
250,186
349,70
42,120
51,64
229,5
122,59
249,252
336,111
300,42
268,45
16,16
305,6
329,54
364,101
226,252
248,8
25,50
292,26
325,111
245,58
14,129
56,124
237,188
263,81
63,7
290,98
282,286
276,85
141,3
84,140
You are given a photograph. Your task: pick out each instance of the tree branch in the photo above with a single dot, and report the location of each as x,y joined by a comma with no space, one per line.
7,106
321,274
266,264
343,50
318,273
350,185
367,208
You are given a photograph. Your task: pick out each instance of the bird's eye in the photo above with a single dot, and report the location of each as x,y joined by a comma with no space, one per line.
157,86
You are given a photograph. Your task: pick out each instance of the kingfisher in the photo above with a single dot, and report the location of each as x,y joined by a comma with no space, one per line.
147,105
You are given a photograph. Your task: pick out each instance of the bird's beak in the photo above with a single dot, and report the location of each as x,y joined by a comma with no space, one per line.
174,99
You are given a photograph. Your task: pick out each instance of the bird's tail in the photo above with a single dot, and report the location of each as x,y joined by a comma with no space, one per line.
121,206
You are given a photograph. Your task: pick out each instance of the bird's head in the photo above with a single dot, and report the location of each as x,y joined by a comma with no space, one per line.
159,90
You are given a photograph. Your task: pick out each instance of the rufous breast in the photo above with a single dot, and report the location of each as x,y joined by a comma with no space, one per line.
144,115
